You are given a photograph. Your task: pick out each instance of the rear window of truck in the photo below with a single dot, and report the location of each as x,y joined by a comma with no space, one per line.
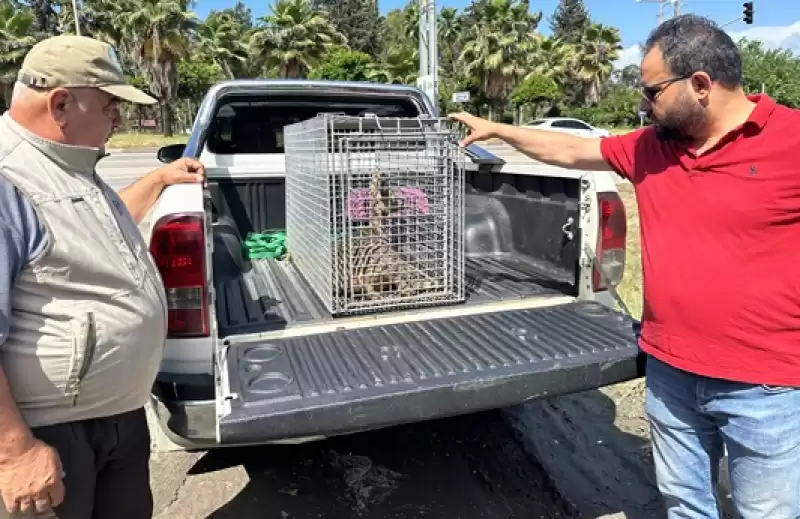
250,125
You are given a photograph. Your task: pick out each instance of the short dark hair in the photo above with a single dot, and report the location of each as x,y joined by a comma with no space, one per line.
691,43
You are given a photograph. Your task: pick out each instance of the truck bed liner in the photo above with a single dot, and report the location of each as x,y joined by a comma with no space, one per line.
347,380
272,295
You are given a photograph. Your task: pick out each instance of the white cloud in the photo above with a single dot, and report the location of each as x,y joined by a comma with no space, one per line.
775,37
628,56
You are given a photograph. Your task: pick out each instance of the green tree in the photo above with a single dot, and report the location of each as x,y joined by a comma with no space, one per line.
357,20
773,70
449,30
619,107
498,36
393,31
46,17
629,76
536,93
242,14
220,38
594,60
17,36
293,38
400,67
344,65
569,21
196,75
156,33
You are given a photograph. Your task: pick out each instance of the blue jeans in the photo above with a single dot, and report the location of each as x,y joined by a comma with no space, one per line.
693,419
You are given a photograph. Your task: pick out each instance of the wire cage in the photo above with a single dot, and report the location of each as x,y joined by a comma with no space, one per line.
375,210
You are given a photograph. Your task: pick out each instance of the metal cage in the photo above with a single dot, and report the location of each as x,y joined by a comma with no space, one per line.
375,210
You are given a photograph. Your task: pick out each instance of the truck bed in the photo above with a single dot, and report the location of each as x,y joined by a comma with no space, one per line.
272,295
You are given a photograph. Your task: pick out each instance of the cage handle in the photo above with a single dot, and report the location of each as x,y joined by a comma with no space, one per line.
369,115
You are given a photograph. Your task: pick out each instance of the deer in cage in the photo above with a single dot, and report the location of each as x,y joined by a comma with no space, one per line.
378,270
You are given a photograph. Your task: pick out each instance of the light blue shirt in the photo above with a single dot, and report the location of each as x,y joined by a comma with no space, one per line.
22,238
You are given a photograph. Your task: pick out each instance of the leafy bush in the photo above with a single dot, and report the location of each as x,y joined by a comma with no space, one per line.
344,65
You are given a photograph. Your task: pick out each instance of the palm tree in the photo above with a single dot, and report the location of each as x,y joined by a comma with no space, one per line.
401,67
448,31
547,56
294,38
411,23
594,61
157,39
45,13
220,38
495,44
17,36
104,20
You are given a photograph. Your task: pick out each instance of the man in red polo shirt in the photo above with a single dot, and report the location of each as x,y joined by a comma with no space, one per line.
717,180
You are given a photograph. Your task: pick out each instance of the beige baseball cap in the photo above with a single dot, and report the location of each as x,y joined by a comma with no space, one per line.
78,61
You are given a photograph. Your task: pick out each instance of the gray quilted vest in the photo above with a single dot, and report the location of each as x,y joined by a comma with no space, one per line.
88,320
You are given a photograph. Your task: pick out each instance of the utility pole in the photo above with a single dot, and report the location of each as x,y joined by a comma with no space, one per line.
75,14
662,4
428,80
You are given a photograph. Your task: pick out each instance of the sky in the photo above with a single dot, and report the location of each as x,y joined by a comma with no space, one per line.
776,22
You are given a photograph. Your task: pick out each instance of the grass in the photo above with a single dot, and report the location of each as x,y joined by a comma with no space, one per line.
144,140
630,290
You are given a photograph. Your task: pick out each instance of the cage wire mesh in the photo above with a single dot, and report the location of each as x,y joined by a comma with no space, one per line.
375,210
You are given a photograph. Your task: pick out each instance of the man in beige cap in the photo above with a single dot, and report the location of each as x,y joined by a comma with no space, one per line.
82,306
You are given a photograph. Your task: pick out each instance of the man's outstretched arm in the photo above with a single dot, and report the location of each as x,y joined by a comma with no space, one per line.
557,149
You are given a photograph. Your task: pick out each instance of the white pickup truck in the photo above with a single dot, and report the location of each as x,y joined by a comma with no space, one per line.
252,355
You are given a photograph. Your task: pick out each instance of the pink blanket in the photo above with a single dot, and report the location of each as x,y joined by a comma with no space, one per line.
411,200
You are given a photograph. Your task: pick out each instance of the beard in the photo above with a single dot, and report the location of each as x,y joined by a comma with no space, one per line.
680,121
666,133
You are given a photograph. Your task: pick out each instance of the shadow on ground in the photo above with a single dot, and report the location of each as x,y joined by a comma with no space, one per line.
583,455
594,446
466,467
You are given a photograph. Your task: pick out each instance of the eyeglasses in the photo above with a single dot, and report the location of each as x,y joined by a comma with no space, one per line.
650,92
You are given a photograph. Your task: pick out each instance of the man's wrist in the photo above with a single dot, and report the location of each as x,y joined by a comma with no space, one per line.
15,443
157,178
499,131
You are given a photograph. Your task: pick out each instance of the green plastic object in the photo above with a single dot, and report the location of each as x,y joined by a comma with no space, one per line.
267,245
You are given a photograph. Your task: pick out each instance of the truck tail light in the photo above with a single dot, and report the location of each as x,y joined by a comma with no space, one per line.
178,247
611,240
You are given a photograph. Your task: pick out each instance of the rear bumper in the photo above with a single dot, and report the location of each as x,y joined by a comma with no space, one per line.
192,424
189,424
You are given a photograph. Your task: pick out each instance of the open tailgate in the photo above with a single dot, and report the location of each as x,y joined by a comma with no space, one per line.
339,381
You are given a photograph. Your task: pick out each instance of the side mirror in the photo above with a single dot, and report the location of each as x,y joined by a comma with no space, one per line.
171,153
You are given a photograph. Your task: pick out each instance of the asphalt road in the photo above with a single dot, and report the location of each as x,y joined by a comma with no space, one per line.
122,169
478,466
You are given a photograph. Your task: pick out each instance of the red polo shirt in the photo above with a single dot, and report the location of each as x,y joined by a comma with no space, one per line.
720,239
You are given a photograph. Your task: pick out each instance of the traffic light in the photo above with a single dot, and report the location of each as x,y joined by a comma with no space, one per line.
748,12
